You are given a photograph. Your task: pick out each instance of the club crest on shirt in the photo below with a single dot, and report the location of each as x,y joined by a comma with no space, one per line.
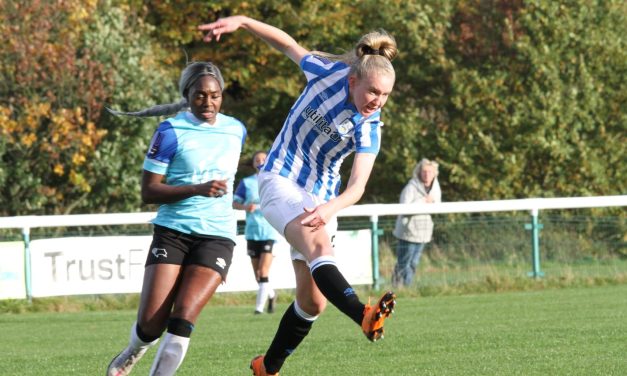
345,127
320,123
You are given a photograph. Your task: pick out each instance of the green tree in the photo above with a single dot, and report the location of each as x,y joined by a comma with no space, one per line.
63,62
140,75
537,98
513,98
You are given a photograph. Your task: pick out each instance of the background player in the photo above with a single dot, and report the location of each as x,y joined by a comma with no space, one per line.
260,235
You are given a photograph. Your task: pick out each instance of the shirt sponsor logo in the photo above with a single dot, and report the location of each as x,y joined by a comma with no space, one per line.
320,123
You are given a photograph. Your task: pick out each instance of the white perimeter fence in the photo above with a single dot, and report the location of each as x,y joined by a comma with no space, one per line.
114,264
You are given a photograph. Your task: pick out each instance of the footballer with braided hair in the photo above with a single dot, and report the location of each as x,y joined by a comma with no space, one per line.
189,171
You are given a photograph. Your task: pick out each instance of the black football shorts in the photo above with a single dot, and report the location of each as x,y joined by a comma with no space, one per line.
174,247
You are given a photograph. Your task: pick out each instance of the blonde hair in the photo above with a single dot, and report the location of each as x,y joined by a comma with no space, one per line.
192,72
373,52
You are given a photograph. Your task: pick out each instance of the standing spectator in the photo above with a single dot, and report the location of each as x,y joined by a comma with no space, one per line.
338,113
415,231
189,169
260,235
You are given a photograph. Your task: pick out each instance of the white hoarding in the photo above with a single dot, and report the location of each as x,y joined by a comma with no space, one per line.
12,282
115,264
88,265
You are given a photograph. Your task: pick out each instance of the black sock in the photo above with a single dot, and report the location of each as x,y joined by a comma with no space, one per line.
335,288
143,336
292,330
180,327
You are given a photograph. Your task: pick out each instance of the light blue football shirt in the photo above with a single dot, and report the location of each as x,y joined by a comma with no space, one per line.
189,151
257,227
321,130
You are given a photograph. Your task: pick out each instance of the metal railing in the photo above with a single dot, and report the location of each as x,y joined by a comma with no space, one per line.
371,211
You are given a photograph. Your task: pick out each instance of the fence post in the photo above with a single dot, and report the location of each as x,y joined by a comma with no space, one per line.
535,228
374,222
27,266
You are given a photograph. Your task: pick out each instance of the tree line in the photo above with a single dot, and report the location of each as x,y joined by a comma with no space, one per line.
513,98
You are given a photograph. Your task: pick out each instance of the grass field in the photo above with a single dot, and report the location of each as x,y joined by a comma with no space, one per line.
570,331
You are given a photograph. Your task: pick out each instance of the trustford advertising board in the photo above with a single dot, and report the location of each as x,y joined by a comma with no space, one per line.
115,264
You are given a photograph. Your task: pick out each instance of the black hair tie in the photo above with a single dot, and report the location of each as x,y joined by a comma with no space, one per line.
371,51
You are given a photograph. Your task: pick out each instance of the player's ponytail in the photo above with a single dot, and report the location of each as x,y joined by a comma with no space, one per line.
374,53
157,110
377,43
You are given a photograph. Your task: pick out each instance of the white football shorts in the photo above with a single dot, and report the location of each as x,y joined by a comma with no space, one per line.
282,200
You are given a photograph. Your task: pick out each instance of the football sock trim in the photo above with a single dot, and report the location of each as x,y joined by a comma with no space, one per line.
302,314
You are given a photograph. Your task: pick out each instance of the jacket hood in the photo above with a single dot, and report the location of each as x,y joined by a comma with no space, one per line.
419,185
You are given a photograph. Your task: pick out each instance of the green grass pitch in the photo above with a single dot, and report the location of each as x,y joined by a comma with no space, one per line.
572,331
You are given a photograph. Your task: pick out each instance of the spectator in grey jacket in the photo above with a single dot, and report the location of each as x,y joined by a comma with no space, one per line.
415,231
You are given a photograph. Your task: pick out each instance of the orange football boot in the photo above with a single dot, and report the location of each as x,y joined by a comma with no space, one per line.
374,316
258,368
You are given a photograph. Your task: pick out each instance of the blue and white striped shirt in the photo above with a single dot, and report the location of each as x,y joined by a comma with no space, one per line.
322,129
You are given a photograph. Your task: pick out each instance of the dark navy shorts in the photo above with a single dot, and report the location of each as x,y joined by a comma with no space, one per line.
174,247
257,247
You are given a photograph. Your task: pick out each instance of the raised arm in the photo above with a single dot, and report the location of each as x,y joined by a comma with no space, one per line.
275,37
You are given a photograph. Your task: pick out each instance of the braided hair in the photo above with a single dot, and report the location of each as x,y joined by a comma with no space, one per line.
192,72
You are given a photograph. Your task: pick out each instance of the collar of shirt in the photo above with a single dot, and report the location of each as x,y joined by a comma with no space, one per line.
199,122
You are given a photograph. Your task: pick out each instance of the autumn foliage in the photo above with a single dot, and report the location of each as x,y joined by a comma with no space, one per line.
513,98
56,84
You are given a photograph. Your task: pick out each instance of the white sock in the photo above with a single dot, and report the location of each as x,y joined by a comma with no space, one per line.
136,343
262,296
170,355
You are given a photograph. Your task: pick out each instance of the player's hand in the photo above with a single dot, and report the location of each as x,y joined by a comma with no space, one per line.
251,208
316,218
213,188
219,27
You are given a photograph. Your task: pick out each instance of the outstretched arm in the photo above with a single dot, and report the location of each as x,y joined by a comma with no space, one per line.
275,37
